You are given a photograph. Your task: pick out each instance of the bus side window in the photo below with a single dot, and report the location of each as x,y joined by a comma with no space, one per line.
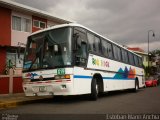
81,49
107,49
117,53
94,43
124,56
136,60
140,64
131,59
91,42
97,43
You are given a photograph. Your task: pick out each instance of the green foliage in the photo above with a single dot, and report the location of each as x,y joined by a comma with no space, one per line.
154,52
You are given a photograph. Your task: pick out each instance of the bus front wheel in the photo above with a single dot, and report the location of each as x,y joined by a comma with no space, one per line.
94,89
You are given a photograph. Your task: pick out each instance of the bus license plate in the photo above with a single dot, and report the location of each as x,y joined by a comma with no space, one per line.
42,88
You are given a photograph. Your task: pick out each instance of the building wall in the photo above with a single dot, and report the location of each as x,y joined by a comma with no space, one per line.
4,85
5,29
51,23
2,59
17,85
20,36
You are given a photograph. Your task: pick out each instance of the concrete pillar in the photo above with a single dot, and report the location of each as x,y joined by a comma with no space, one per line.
11,81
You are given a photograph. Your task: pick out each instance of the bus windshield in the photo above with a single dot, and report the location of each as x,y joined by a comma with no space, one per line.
48,49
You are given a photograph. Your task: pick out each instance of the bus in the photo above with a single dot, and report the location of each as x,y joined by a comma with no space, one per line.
71,59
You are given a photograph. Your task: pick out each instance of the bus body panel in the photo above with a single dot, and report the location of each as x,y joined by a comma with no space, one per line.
114,78
82,80
116,75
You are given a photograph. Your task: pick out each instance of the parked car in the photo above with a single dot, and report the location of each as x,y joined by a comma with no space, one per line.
151,81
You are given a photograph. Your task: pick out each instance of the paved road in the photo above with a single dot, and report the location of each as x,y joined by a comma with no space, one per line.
144,101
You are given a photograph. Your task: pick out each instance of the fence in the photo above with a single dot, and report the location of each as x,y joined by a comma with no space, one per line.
10,84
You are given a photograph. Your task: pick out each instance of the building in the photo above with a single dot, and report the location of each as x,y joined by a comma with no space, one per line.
156,63
17,22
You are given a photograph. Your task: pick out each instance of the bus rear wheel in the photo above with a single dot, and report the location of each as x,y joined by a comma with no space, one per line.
136,86
94,89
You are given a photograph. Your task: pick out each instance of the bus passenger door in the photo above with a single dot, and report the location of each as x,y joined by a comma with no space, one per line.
80,48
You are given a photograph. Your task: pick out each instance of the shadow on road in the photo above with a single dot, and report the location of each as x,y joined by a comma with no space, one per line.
82,98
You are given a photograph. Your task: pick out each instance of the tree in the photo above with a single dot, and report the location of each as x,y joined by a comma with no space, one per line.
155,57
155,52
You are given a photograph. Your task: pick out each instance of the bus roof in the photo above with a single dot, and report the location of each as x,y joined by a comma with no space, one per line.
78,25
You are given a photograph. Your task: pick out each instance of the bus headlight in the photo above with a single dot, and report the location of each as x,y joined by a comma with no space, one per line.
62,77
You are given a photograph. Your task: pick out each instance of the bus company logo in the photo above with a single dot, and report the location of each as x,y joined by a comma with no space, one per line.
102,63
31,75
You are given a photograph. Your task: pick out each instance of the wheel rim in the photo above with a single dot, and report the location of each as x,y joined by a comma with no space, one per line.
97,89
136,87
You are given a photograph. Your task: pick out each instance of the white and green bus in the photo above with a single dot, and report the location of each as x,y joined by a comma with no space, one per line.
71,59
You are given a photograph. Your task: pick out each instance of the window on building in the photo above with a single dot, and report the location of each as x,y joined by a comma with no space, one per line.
21,24
36,23
39,24
16,23
12,57
26,25
42,25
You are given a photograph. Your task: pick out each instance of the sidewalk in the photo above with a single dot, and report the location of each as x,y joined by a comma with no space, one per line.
14,100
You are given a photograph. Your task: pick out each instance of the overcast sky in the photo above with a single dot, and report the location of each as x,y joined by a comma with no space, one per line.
124,21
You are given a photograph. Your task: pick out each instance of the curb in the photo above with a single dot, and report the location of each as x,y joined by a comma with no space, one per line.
8,104
15,103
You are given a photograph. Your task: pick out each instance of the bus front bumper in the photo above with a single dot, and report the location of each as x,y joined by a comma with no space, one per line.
47,89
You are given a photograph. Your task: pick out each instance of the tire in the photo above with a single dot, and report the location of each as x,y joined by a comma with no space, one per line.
136,86
94,90
135,89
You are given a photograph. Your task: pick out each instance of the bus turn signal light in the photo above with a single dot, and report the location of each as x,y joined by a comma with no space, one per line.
67,76
62,77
